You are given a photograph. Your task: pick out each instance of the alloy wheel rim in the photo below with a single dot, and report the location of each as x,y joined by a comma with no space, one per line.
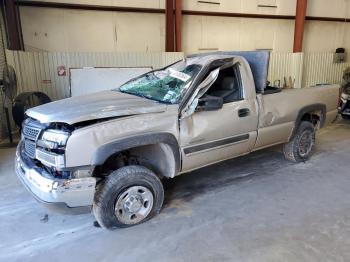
306,143
134,204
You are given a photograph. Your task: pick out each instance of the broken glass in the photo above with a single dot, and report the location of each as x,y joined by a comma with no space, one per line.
165,85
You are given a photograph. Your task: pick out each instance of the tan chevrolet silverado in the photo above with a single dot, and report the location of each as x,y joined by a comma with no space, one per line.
110,150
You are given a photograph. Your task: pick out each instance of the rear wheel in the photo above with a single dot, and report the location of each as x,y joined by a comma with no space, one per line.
128,196
299,148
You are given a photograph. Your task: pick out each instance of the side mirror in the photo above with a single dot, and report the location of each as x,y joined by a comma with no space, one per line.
210,103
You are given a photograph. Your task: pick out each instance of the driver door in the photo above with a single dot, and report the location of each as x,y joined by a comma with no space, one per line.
207,137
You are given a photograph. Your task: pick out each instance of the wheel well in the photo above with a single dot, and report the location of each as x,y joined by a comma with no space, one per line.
315,117
316,114
157,157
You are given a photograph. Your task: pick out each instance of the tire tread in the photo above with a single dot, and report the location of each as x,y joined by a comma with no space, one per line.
290,149
116,182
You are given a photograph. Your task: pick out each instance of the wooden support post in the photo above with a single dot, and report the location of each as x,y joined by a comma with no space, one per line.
178,25
169,26
299,25
12,25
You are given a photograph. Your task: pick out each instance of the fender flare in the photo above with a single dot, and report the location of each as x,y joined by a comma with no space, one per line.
308,109
106,150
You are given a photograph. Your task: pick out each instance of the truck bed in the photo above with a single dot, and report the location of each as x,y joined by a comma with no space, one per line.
280,110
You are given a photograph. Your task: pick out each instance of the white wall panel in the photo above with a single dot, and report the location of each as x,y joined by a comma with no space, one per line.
220,33
284,7
201,33
233,6
284,36
140,3
43,28
257,34
276,35
84,31
322,36
95,79
192,28
125,3
137,32
51,29
328,8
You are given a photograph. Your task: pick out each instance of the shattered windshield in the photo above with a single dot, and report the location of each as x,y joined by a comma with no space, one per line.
166,85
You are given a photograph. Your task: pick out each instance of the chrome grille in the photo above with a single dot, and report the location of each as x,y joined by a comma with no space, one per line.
31,132
29,147
46,158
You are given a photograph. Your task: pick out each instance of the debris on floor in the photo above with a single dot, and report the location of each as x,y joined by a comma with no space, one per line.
45,218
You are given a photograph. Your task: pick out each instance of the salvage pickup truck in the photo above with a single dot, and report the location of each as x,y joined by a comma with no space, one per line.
110,150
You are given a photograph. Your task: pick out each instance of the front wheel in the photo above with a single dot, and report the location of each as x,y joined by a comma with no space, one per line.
128,196
299,148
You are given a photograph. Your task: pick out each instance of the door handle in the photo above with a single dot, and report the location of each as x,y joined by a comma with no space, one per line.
243,112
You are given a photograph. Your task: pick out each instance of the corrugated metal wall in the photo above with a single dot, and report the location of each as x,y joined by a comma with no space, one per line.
308,69
38,70
319,68
285,65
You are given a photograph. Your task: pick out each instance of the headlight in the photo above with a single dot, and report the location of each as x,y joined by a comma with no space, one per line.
56,136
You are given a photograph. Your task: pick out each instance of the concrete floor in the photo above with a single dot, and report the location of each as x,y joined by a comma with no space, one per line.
254,208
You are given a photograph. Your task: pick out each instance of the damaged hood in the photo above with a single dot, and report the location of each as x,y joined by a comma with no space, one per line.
95,106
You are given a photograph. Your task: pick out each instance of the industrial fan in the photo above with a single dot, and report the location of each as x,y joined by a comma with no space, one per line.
9,91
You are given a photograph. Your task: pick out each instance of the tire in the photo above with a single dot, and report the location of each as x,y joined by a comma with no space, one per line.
346,117
299,148
128,196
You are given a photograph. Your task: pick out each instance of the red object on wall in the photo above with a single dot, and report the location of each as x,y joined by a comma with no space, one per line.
61,71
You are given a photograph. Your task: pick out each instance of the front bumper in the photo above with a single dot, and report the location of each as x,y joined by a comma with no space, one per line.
344,108
62,193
